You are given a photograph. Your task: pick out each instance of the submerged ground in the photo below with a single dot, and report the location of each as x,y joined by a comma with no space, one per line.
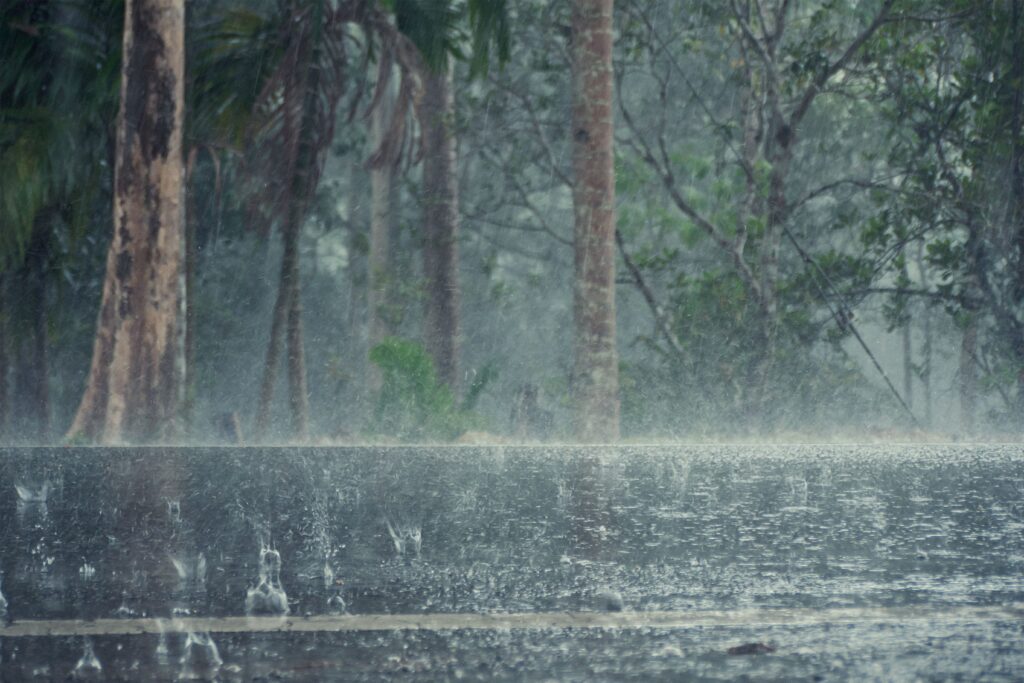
849,562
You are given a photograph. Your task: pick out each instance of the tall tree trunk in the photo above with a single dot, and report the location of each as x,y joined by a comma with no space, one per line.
968,376
378,267
355,342
595,379
441,226
36,393
908,346
191,254
5,312
926,346
274,347
298,393
133,390
1016,135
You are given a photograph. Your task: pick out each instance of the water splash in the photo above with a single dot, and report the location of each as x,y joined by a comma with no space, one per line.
268,597
162,650
190,572
336,604
174,511
3,602
406,539
87,571
200,659
329,577
88,667
28,495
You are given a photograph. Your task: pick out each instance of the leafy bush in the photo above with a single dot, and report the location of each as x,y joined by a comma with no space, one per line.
414,404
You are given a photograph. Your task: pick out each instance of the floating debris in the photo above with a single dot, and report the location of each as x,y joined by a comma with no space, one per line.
750,649
608,600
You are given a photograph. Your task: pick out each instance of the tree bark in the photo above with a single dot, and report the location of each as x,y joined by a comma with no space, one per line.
968,376
378,266
191,254
908,346
595,379
441,227
133,390
36,392
5,312
298,393
274,345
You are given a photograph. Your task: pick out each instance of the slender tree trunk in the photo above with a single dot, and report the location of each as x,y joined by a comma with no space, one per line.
5,311
191,255
908,365
378,266
968,376
926,346
133,390
1016,136
595,380
274,347
908,347
298,393
355,343
441,227
37,370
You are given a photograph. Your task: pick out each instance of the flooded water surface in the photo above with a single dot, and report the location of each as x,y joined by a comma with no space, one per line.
645,563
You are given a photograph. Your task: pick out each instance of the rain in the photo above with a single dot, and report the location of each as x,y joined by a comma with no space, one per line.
582,340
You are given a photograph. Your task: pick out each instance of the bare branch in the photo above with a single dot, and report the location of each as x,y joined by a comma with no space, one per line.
660,319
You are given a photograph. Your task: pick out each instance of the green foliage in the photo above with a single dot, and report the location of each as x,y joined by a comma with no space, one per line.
58,95
414,405
436,27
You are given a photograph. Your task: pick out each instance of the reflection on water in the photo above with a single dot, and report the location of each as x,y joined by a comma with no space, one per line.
162,532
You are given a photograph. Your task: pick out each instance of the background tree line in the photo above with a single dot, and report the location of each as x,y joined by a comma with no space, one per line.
410,220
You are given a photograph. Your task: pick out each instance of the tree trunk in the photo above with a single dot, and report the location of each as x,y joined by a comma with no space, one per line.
968,376
441,227
595,379
298,394
908,346
1016,136
133,390
36,393
926,346
274,346
378,267
5,312
191,255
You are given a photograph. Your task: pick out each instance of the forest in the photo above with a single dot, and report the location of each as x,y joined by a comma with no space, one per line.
349,221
